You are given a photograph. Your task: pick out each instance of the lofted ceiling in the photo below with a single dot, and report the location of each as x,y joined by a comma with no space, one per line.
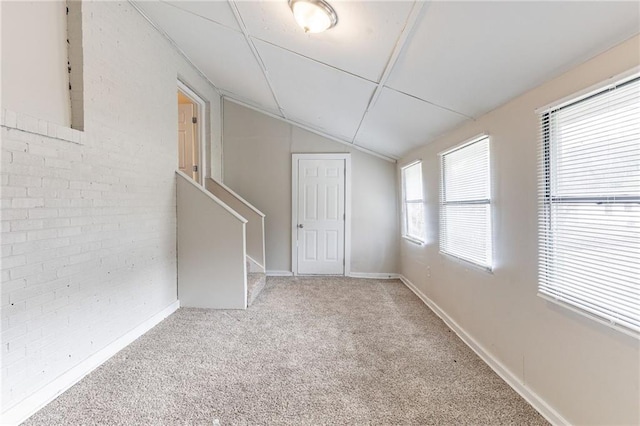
391,75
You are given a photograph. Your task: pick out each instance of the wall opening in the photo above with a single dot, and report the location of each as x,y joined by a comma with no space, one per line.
194,153
34,60
75,63
189,158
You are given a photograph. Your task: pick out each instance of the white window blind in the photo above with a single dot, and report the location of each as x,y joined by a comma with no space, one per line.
465,203
413,202
589,216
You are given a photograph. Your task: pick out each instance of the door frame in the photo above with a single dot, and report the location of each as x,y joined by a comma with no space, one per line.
201,108
347,205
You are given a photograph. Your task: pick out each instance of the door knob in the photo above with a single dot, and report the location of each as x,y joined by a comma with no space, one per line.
300,226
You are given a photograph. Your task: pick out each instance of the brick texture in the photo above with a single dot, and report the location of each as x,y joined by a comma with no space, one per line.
89,217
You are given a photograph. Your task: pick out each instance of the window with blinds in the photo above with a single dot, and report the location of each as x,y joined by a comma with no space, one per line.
589,216
465,203
413,203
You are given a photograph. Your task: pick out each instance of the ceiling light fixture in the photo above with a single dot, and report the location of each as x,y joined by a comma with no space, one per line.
314,16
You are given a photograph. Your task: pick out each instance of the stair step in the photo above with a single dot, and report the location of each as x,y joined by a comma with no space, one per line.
255,284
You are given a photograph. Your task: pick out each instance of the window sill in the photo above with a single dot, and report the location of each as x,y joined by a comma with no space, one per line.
469,263
25,123
591,316
413,240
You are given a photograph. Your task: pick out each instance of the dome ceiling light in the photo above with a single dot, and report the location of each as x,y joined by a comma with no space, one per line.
314,16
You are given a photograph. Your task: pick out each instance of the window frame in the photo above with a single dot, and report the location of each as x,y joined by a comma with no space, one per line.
405,219
549,199
478,201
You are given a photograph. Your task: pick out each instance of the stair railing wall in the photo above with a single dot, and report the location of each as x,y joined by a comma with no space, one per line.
255,219
212,267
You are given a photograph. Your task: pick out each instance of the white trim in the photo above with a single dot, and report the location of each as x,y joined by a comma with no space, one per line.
33,403
308,128
213,197
465,262
244,266
347,216
500,369
461,145
201,114
410,163
279,273
375,275
591,90
413,239
347,204
404,233
254,262
264,247
221,134
232,192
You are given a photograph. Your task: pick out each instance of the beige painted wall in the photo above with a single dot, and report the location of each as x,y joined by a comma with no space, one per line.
34,60
211,250
257,165
255,220
588,372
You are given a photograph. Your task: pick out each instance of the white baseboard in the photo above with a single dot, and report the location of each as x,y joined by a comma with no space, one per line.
279,273
511,379
30,405
374,275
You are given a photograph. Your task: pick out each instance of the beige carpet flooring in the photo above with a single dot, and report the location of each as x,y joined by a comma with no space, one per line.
310,351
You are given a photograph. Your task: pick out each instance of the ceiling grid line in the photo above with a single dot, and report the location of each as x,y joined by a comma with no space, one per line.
412,19
391,76
430,103
233,95
293,52
173,44
310,129
199,15
245,32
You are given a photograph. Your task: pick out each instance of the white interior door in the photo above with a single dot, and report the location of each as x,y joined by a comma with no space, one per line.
320,224
188,155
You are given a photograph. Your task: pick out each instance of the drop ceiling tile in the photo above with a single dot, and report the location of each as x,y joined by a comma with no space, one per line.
397,123
216,11
361,43
222,54
315,94
475,56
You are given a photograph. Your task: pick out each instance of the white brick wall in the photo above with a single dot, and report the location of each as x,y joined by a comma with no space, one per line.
89,218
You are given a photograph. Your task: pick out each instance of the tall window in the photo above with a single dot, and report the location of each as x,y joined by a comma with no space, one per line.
589,248
413,203
465,203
